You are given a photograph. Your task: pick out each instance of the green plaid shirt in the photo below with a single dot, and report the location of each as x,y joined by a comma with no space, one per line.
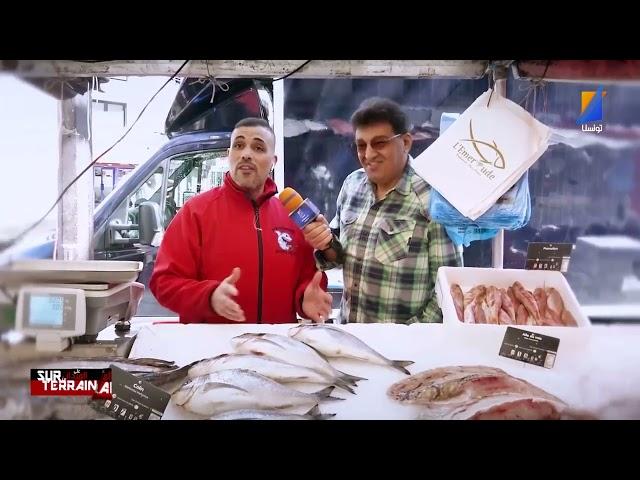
392,251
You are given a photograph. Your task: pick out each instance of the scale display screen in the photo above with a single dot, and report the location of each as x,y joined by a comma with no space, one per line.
49,309
51,314
46,310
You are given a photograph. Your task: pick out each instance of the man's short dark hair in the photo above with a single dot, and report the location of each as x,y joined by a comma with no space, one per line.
255,122
380,110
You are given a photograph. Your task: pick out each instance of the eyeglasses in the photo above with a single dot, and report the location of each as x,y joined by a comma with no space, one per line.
378,144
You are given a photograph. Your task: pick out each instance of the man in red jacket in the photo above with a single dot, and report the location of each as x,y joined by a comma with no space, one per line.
233,254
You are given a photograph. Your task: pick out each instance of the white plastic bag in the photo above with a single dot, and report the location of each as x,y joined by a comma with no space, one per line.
481,156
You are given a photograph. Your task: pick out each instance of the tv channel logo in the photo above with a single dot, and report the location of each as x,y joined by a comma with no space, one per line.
591,110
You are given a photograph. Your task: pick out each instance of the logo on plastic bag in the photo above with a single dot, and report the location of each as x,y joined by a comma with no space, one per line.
483,156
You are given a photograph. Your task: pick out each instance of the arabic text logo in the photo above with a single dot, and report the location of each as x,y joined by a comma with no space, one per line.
591,106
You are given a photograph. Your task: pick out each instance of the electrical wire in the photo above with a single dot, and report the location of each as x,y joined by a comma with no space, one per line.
55,204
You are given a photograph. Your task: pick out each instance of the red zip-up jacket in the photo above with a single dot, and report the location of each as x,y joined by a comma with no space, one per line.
221,229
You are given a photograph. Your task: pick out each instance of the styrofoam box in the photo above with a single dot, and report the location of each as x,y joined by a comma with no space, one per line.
469,277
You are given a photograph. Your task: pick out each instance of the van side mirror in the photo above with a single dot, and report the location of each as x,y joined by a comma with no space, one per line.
149,224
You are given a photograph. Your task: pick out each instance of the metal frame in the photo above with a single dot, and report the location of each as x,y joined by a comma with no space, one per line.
249,68
278,129
497,244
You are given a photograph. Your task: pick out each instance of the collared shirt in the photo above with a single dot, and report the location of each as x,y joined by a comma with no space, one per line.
392,251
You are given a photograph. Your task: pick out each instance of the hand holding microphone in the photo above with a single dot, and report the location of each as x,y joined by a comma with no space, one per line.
307,216
318,234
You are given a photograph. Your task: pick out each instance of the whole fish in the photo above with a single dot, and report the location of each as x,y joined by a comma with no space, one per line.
522,316
272,368
508,307
527,299
458,300
475,391
541,299
291,351
239,389
512,297
313,414
567,319
334,342
492,305
452,383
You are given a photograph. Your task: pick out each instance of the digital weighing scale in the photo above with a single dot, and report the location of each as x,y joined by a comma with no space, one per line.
64,302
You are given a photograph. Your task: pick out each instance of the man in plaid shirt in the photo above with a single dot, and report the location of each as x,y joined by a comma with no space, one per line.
382,236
